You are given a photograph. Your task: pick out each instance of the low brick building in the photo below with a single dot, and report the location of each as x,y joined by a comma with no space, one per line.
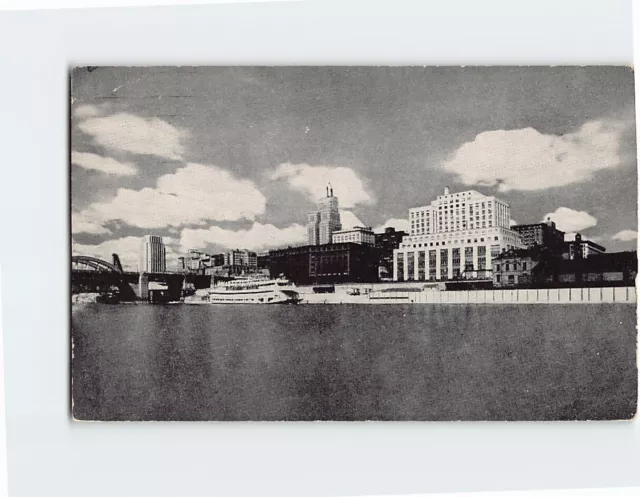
329,263
613,269
540,269
514,268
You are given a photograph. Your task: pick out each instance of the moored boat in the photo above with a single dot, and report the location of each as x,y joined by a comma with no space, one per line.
252,290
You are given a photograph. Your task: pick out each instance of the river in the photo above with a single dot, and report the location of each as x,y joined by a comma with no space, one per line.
353,362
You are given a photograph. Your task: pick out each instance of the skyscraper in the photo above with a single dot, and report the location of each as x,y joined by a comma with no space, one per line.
456,236
153,257
324,221
543,235
313,228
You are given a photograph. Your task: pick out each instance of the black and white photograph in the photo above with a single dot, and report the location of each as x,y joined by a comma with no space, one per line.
353,243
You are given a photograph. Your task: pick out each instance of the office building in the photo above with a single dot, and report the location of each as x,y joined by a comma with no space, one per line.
152,257
597,270
456,236
515,267
581,248
325,264
313,228
535,268
291,263
325,220
263,260
358,234
386,242
544,235
194,260
217,260
241,258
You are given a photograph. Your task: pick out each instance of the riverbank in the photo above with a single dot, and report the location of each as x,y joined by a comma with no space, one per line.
599,295
390,294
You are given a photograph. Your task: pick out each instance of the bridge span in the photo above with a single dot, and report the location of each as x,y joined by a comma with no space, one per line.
94,275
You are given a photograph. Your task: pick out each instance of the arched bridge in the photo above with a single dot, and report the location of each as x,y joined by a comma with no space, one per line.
91,274
86,263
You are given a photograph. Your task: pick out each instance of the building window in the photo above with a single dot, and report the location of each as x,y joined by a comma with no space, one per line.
524,266
497,278
400,266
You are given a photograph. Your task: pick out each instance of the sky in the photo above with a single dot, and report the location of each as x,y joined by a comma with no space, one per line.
217,158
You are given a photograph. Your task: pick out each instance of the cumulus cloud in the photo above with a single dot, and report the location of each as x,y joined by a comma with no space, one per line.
86,111
135,134
127,249
105,165
82,223
397,223
193,195
571,221
513,222
312,180
625,235
349,220
258,237
525,159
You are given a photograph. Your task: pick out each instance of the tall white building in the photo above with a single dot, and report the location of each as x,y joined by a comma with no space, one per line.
153,258
455,236
324,221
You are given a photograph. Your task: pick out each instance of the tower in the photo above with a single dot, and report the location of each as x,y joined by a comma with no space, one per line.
325,220
152,257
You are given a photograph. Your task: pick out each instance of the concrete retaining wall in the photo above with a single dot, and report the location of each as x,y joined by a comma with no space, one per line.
624,295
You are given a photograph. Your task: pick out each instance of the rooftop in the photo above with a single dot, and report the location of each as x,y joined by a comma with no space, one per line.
355,228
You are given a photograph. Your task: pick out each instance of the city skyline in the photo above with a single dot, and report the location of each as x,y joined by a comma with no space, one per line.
223,158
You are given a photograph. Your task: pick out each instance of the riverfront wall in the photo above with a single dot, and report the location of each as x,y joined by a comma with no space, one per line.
624,295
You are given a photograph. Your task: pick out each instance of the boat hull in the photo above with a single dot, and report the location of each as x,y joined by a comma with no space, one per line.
269,297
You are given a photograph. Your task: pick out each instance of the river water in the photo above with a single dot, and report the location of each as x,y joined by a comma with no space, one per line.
353,362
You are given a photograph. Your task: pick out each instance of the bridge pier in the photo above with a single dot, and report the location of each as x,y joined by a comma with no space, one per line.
143,286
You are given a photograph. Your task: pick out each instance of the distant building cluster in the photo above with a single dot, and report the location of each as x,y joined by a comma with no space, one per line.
463,238
335,255
234,262
467,236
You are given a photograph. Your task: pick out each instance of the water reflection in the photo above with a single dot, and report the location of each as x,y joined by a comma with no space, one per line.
353,362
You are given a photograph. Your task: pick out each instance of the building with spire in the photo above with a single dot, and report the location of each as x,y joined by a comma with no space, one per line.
325,220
